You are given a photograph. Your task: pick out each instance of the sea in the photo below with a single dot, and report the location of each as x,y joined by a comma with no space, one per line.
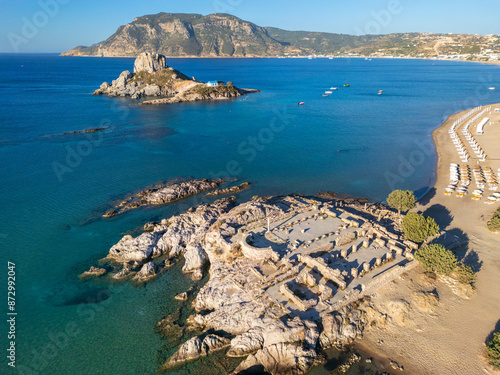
55,186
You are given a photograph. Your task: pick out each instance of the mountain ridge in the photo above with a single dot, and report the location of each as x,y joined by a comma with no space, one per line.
225,35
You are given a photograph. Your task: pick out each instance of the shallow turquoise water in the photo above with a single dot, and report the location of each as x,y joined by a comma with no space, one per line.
53,187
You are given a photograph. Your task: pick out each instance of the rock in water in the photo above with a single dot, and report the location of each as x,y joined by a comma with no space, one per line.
147,62
147,272
93,272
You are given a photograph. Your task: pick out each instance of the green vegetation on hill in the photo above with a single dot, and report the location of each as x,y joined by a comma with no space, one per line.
494,223
160,78
220,90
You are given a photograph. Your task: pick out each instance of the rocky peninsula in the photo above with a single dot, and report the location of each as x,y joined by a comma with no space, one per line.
163,194
152,77
288,276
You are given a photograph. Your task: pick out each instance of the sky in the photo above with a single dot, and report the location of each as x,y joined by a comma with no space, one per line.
32,26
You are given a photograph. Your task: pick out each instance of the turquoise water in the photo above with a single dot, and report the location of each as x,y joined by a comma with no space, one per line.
54,187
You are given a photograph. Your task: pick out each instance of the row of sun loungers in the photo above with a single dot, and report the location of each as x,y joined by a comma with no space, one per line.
492,185
460,180
459,174
462,151
470,138
457,140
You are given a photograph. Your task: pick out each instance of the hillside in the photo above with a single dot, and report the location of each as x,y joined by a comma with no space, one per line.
224,35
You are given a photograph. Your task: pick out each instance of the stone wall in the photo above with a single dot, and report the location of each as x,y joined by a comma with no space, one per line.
257,253
301,304
318,263
371,287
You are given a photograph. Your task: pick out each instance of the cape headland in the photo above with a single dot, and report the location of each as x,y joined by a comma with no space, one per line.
152,77
287,275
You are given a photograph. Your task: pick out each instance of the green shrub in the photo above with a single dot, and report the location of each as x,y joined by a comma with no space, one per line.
418,228
494,223
220,90
465,275
437,258
493,350
401,200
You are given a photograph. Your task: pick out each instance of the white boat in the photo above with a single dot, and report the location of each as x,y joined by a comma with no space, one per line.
328,92
380,92
491,88
334,88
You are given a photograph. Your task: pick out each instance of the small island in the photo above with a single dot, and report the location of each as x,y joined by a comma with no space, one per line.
152,77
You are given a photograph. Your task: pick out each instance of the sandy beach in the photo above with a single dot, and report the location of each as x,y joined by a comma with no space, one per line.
446,334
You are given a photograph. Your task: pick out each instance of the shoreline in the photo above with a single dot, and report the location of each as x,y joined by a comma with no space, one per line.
295,57
458,326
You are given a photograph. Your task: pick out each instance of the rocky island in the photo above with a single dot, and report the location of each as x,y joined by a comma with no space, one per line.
153,78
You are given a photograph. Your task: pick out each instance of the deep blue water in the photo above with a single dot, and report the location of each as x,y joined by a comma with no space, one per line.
53,187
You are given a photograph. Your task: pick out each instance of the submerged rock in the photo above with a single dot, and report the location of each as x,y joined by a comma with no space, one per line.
93,272
229,190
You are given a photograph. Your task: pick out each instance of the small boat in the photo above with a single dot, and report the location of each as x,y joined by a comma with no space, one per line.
334,88
328,92
380,92
347,85
491,88
301,103
325,95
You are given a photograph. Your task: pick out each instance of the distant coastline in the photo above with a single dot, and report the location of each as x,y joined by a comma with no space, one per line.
296,57
224,35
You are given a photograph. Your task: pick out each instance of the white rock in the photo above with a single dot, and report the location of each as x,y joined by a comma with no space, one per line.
149,62
197,347
282,359
136,249
196,259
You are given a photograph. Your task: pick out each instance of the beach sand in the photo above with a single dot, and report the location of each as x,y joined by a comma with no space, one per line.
447,335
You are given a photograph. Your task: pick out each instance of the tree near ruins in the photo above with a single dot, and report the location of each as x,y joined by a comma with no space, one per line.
436,258
401,200
418,228
493,350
